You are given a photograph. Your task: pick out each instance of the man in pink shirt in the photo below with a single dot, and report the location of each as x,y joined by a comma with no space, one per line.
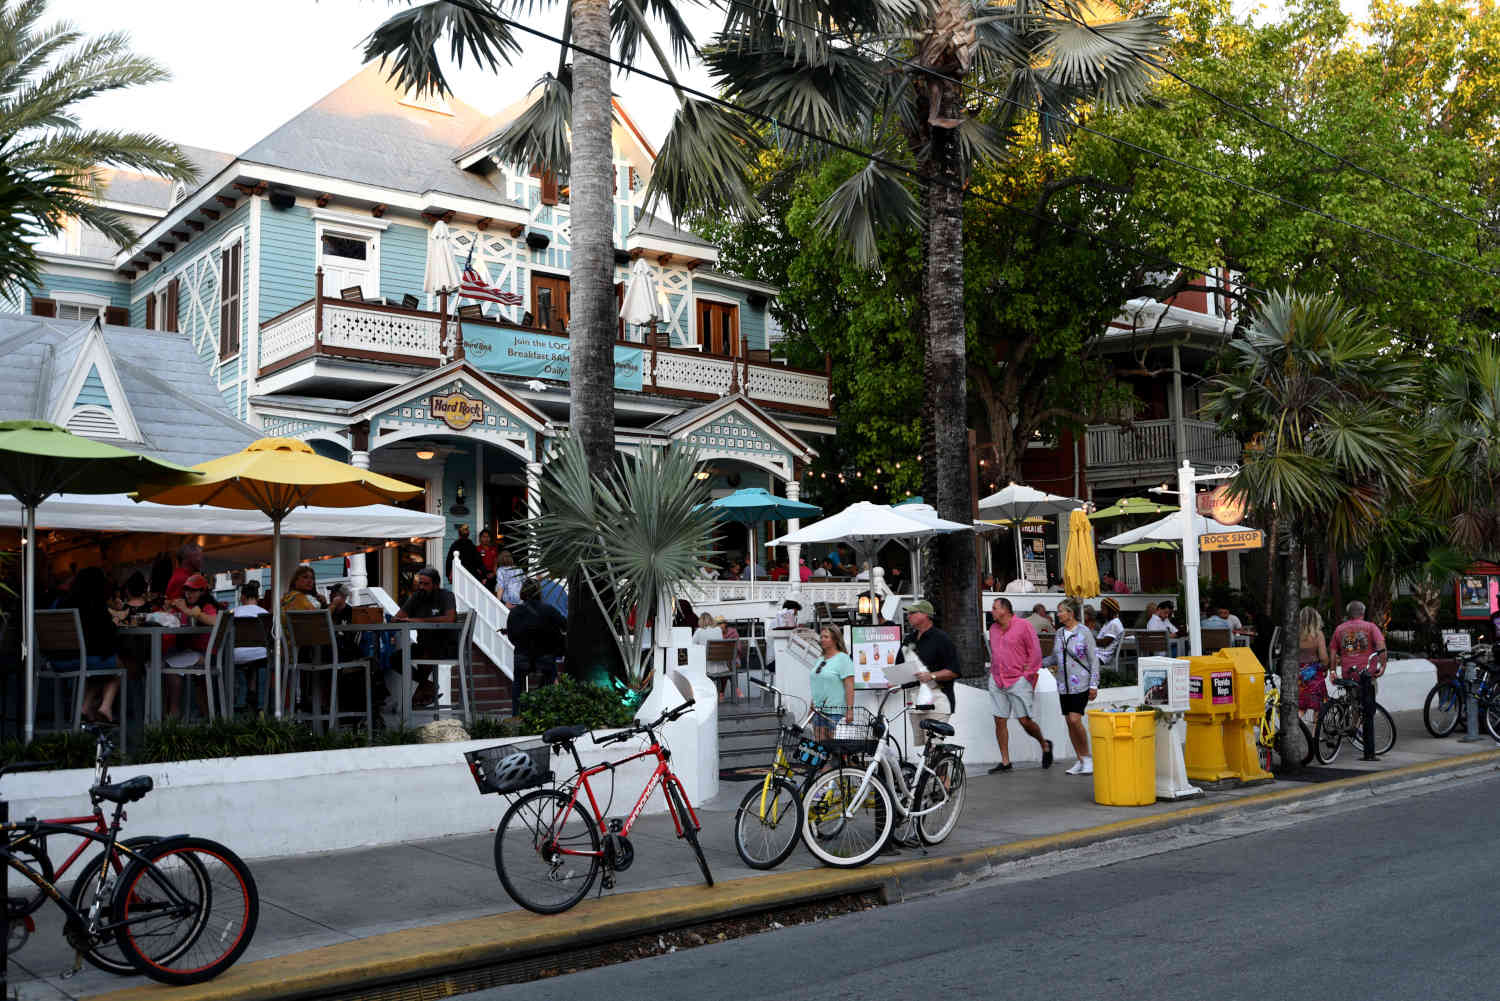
1015,661
1360,648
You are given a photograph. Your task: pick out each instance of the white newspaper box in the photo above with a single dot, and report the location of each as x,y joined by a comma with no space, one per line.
1164,685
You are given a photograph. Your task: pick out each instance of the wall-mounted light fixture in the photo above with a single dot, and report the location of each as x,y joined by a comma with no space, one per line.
425,454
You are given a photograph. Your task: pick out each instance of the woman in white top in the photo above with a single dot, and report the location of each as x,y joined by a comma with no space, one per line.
1110,635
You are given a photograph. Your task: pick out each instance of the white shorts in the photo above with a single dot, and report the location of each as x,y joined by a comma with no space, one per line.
1017,700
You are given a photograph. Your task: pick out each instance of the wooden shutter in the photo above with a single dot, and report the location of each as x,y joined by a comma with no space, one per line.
549,188
172,306
43,307
151,311
117,316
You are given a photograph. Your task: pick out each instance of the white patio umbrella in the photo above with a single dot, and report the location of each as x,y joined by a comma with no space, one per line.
441,274
640,305
1169,529
928,514
866,527
1018,502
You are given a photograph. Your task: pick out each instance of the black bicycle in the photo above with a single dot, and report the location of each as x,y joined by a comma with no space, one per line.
1447,706
1342,719
182,911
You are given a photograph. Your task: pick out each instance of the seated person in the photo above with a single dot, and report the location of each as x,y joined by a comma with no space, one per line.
89,594
250,661
196,607
1161,622
430,602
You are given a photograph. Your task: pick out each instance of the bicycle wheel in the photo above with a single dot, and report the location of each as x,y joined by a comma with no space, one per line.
767,823
105,952
1333,721
838,831
1307,741
30,854
678,803
1490,713
188,908
1442,709
941,792
1385,731
533,870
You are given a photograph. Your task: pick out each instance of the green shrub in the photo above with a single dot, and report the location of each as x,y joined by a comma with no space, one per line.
571,702
1111,678
487,728
66,750
174,740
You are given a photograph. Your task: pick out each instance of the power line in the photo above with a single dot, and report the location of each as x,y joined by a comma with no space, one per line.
975,88
1250,113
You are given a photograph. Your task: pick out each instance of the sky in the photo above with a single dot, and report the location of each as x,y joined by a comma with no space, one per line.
241,70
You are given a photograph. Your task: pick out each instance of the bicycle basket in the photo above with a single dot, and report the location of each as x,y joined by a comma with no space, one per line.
802,751
493,774
856,733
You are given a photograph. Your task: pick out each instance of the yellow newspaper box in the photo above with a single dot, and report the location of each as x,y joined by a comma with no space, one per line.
1124,745
1226,698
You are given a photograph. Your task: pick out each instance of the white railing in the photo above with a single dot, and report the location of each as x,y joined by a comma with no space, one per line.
695,373
787,386
702,373
403,334
472,596
714,591
1153,442
288,333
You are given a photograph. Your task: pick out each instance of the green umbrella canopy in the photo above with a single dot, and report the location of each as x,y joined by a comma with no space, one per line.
758,504
1145,547
1132,505
38,459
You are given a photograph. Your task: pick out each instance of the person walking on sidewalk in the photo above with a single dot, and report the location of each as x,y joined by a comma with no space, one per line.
1015,662
934,649
1360,648
1075,660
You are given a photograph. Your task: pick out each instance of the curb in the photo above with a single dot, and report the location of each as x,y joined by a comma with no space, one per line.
419,953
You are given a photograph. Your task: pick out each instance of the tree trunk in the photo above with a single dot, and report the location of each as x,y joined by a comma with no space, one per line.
591,331
1291,744
1336,580
946,399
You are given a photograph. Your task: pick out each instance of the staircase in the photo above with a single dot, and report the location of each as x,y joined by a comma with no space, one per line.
492,691
748,729
472,596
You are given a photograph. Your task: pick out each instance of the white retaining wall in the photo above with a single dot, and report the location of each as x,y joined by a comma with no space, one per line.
293,804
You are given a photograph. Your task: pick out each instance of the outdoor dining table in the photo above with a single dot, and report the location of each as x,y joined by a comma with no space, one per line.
402,631
153,710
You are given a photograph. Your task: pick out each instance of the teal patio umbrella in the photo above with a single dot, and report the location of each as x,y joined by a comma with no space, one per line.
38,460
752,505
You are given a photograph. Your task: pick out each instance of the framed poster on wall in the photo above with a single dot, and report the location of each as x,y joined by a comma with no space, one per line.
1475,595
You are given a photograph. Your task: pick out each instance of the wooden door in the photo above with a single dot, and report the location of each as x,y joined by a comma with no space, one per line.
719,328
549,302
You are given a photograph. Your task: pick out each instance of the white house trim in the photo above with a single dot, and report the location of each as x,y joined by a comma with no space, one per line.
95,355
250,329
354,228
76,267
646,243
344,220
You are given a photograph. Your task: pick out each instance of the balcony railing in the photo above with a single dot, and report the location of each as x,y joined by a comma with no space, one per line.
1154,443
369,331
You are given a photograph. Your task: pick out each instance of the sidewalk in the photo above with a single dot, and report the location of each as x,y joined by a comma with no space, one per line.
335,899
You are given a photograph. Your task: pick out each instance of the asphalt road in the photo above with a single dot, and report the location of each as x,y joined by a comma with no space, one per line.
1396,900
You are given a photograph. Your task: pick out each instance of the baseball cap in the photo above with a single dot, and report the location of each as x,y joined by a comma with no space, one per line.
920,606
197,582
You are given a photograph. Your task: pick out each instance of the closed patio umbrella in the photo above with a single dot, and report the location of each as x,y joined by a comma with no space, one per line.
640,305
275,476
441,274
1080,569
38,460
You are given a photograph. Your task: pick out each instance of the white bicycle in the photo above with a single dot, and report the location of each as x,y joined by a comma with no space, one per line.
850,813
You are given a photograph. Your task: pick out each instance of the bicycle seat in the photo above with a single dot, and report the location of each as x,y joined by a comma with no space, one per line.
937,726
563,734
125,792
1343,683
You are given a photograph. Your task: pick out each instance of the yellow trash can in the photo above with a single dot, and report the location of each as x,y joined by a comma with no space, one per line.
1124,746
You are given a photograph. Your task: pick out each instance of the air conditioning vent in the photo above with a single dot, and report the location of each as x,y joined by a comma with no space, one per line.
94,422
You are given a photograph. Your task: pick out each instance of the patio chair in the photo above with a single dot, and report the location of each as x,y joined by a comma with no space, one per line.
1216,639
461,663
758,356
1151,643
312,647
720,660
207,665
62,656
1046,640
352,293
471,311
410,301
250,632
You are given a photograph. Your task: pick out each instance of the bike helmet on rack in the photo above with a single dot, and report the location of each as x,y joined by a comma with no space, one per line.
515,771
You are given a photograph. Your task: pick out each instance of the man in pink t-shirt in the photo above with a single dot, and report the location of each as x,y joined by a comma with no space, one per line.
1360,649
1015,661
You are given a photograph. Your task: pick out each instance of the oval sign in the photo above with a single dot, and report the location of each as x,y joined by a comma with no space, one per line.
1227,510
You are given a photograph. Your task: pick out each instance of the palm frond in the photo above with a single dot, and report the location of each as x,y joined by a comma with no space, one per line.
1111,60
874,200
541,135
630,28
704,162
409,43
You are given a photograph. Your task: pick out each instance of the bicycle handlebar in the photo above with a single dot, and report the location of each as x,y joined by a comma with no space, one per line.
667,716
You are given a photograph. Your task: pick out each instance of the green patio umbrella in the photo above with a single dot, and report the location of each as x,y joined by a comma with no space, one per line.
1132,505
38,460
1146,547
756,504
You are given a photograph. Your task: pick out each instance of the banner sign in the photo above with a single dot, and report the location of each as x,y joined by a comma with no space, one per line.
531,355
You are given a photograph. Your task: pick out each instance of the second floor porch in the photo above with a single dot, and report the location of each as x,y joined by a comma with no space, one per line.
1148,451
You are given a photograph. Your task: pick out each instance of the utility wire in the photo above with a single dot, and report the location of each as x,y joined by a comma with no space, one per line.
1148,60
1127,144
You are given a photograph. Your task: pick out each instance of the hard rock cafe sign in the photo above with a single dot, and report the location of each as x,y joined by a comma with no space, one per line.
457,410
1221,507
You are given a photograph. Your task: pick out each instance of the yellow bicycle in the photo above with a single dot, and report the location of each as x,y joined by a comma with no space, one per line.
769,818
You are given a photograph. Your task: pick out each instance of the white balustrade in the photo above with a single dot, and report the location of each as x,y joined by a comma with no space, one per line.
471,595
346,326
287,334
774,384
696,373
1151,442
701,373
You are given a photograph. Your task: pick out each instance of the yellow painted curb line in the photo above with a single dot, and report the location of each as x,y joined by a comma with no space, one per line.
404,955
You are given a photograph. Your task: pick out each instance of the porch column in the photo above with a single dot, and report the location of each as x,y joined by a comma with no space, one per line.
359,458
533,489
1179,428
793,553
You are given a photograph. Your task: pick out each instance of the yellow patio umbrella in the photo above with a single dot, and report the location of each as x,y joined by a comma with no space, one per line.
275,476
1080,570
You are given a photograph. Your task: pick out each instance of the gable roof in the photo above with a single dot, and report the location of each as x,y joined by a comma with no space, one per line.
166,387
362,132
683,424
154,192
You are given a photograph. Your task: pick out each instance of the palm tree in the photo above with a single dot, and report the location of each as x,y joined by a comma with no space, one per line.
895,79
1326,404
1463,435
49,163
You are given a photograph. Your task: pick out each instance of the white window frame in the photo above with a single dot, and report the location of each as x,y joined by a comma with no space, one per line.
82,301
351,228
161,294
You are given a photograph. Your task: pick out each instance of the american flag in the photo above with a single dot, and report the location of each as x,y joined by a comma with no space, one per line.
474,287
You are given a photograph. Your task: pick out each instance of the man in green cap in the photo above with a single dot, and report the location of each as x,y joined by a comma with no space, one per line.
934,648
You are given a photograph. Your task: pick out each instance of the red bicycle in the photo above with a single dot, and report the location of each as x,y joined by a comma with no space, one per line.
548,848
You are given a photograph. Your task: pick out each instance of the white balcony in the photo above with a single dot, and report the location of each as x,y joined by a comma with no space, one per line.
1148,449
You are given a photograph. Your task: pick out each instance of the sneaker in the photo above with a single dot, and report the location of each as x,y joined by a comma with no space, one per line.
1088,767
1004,766
1077,769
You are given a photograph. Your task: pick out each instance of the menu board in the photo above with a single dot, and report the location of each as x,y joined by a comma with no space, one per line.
1476,595
875,648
